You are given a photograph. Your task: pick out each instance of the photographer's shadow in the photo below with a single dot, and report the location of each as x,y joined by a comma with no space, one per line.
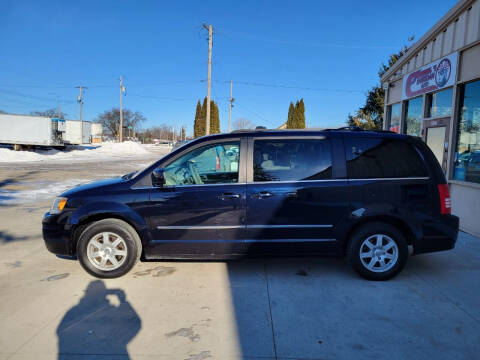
98,325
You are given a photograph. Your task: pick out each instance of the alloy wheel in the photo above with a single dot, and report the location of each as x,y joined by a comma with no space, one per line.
379,253
107,251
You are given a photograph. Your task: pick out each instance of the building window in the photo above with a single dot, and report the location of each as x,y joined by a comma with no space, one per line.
413,122
395,116
467,154
439,104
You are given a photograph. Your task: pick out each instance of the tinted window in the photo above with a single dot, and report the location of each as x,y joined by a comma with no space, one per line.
291,160
210,164
382,158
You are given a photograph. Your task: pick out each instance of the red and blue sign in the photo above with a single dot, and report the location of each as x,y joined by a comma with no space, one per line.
434,76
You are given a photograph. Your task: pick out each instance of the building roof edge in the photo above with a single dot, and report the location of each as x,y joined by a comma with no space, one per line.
432,32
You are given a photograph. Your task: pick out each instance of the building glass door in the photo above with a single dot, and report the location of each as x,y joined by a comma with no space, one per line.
435,134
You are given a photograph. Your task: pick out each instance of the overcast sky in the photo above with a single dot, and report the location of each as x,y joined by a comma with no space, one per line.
327,52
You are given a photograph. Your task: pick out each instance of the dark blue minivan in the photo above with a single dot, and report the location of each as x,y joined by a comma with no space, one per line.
364,194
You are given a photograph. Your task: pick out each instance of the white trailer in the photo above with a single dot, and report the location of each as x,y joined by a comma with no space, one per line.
26,130
73,129
97,132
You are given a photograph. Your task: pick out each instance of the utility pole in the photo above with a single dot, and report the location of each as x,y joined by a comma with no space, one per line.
209,80
80,103
231,100
122,90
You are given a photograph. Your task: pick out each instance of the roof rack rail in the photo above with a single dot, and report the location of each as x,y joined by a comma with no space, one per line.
357,128
347,128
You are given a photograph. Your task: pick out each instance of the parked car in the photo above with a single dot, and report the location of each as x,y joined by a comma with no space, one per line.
472,167
179,143
366,195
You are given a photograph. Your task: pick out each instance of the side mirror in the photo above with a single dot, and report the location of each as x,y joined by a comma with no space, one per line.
158,177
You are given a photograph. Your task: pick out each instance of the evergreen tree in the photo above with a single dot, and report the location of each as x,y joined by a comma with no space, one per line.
198,120
291,110
301,115
214,118
295,115
203,117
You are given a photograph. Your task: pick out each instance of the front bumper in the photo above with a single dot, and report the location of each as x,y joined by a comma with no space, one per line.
439,235
55,235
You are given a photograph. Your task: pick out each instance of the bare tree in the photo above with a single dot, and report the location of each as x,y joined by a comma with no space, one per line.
243,123
51,113
162,132
110,120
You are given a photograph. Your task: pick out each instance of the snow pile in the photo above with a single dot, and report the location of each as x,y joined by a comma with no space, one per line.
125,148
7,155
104,151
38,191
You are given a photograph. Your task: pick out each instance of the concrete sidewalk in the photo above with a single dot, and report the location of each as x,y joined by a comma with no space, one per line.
250,309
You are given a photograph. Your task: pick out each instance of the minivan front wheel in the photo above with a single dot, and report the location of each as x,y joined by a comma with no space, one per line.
377,251
108,248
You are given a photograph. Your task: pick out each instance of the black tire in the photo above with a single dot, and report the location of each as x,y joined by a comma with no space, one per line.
120,228
364,233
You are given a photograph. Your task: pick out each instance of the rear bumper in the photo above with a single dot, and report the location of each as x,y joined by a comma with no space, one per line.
56,238
438,235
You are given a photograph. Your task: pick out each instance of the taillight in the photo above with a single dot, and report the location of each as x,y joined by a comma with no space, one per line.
217,163
445,203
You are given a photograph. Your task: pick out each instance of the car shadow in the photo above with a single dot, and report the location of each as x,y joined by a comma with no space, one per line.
101,324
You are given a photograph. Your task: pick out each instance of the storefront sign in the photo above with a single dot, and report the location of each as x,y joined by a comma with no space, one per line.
434,76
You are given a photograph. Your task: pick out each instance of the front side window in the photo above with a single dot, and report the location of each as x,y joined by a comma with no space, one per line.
467,153
395,116
413,121
440,103
211,164
292,160
369,158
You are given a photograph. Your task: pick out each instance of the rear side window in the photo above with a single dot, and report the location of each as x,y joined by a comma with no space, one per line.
292,160
382,158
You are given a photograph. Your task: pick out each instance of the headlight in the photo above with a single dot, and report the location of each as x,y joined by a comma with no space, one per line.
58,205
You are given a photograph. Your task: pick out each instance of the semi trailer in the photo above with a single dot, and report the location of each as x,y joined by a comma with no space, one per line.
24,131
73,129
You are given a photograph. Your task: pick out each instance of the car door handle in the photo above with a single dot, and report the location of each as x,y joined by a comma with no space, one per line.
262,195
229,196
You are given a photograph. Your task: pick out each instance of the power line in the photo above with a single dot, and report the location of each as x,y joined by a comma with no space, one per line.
257,115
34,97
161,97
291,86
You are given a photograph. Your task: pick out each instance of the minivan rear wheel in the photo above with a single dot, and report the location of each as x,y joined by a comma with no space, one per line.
108,248
377,251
